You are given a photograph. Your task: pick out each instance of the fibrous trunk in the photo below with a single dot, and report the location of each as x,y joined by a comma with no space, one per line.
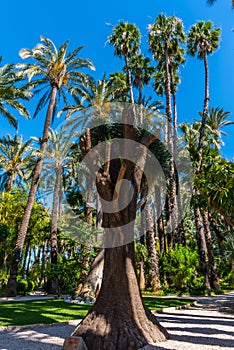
119,320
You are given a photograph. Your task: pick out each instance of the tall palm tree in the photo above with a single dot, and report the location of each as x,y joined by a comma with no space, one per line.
17,160
10,94
166,35
58,71
203,40
56,160
126,41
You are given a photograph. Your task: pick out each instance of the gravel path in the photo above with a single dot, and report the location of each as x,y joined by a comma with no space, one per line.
207,326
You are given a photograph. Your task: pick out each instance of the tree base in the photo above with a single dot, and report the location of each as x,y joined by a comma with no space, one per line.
117,330
119,320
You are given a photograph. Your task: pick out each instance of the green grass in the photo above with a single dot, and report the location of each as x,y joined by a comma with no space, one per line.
49,311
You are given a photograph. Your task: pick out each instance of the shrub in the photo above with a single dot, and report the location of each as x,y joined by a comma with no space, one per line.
30,286
181,265
22,286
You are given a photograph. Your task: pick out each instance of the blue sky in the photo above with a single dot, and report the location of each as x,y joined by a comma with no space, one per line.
85,23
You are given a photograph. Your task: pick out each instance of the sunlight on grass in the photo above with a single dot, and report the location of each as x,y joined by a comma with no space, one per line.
49,311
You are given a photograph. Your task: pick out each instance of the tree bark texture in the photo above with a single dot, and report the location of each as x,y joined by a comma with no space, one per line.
119,320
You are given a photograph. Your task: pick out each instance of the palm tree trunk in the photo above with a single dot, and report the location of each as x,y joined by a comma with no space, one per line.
202,249
179,231
204,114
172,207
214,279
119,320
10,181
160,224
12,284
129,76
215,229
198,218
54,217
150,238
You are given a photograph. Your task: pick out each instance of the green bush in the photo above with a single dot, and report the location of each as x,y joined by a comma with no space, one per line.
181,266
67,273
22,286
31,286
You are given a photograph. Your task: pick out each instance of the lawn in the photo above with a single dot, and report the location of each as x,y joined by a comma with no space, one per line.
48,311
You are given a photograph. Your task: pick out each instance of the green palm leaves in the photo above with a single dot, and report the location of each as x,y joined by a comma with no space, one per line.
203,39
166,32
54,68
125,39
10,94
17,160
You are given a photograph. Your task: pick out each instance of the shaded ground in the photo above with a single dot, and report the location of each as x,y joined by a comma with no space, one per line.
207,326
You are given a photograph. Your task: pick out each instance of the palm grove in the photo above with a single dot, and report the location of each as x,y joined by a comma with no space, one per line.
171,252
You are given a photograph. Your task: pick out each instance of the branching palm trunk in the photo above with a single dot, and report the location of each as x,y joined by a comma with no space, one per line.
12,284
119,320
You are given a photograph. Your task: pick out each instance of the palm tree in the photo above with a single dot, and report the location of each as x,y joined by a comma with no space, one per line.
58,71
56,161
126,40
10,94
17,160
216,120
203,40
112,310
166,35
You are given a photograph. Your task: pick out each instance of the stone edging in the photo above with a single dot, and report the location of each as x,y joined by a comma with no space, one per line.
38,325
181,307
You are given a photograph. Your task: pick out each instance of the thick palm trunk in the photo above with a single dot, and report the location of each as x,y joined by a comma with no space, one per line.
214,279
12,285
119,320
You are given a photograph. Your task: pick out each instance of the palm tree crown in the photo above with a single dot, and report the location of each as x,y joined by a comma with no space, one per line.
55,68
202,39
